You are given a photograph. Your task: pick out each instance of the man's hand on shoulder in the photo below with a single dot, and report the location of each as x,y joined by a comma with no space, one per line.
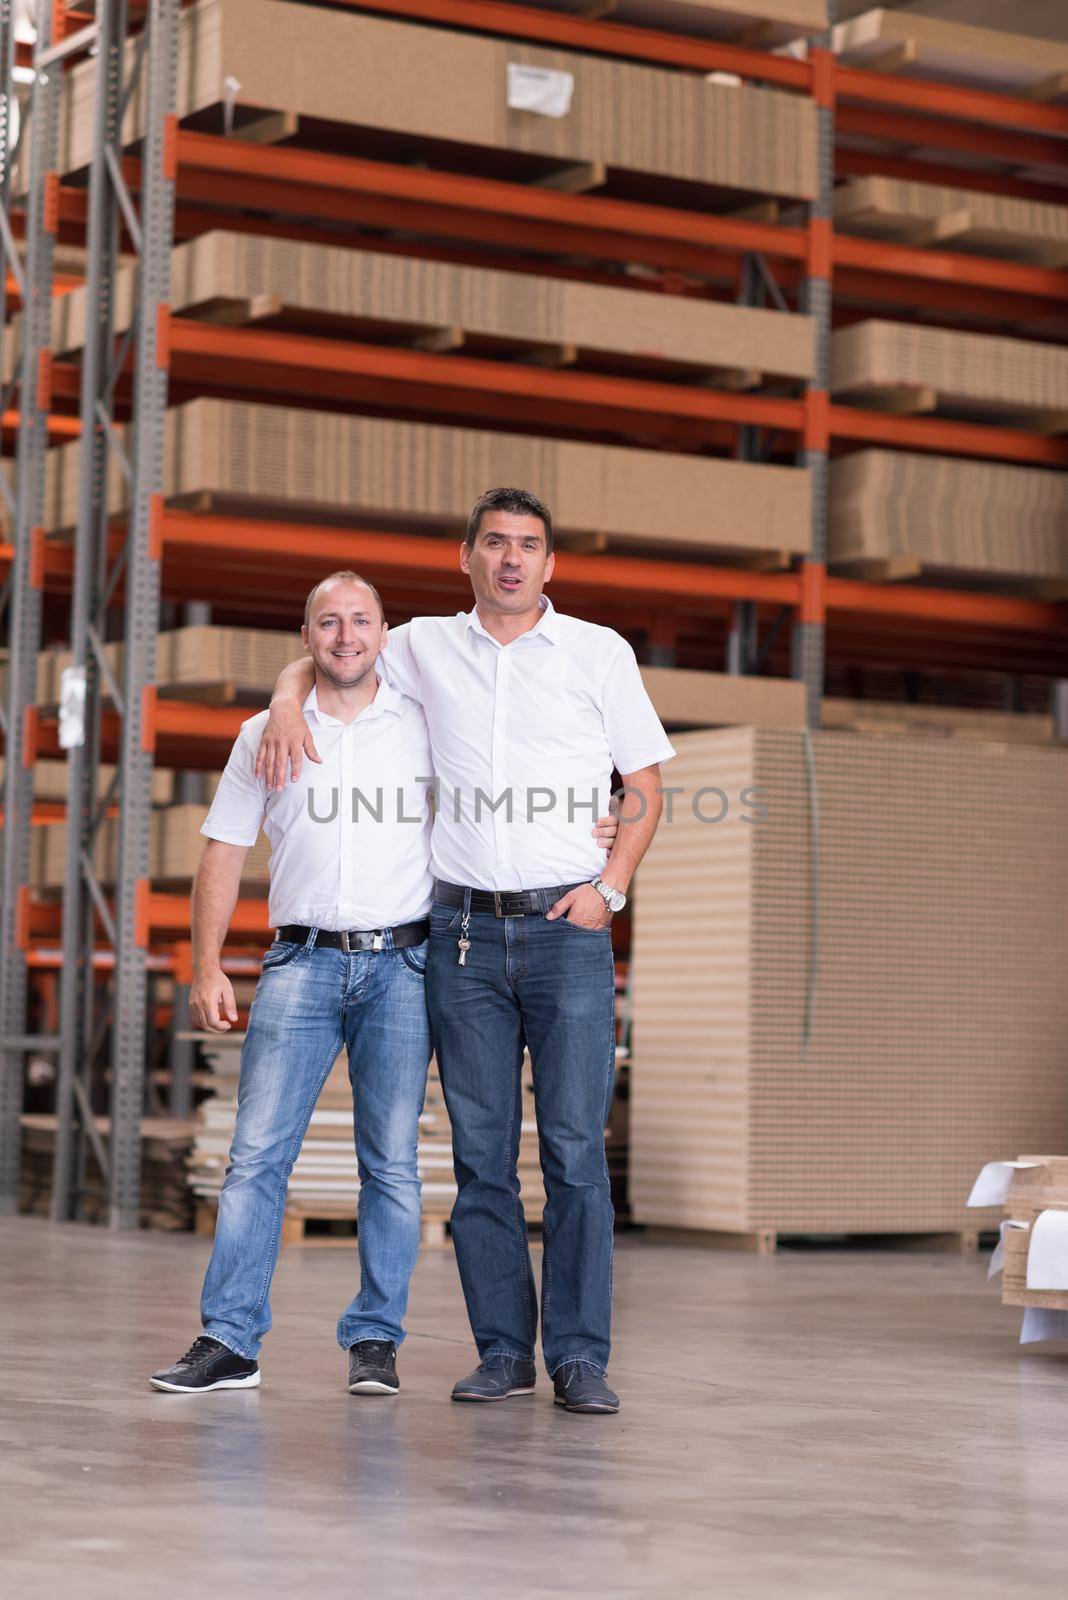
284,743
211,1000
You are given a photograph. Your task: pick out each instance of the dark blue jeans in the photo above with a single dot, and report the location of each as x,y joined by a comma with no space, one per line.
549,986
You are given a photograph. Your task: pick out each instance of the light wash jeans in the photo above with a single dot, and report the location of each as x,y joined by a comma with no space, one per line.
309,1002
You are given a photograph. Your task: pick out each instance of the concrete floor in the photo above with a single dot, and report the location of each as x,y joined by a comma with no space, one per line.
817,1425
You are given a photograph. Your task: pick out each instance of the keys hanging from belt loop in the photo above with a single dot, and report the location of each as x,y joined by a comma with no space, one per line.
463,944
379,939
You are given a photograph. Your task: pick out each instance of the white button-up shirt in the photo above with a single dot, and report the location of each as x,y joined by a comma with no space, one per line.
350,840
524,737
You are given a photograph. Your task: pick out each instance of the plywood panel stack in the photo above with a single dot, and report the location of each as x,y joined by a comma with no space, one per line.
256,277
937,367
175,847
165,1198
1034,1189
953,218
268,460
950,52
342,67
920,927
968,519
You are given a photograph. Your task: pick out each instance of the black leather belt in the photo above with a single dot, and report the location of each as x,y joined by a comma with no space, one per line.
504,902
405,935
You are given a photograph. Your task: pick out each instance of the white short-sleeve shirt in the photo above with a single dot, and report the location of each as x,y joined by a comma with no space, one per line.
524,738
350,840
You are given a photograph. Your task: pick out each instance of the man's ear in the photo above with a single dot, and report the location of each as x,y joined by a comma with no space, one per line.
465,557
550,562
385,635
304,638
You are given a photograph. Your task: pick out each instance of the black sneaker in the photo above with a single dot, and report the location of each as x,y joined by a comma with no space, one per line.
206,1365
497,1378
373,1367
579,1387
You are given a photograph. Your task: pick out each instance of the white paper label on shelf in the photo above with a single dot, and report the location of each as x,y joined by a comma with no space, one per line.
1047,1254
992,1185
72,708
1040,1323
231,90
540,89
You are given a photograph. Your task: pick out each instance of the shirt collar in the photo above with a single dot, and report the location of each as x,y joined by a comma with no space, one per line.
387,701
546,627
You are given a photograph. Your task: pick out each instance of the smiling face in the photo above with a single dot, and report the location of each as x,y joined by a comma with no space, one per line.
508,563
344,633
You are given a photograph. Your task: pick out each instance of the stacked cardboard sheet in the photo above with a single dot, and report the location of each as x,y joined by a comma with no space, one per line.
685,699
461,89
937,722
267,460
902,903
951,52
1040,1183
248,278
325,1182
50,781
165,1201
175,847
956,219
976,520
757,22
920,369
230,662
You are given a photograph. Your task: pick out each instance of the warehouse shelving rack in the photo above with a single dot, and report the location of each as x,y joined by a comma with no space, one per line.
184,178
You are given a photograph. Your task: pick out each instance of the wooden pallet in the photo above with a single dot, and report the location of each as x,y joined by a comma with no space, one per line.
904,567
924,400
766,1241
333,1229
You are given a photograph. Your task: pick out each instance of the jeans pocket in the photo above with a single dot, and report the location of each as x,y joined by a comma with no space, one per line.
443,919
280,954
414,957
576,927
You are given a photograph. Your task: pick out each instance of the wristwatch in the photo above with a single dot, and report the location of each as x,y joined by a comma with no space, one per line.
614,899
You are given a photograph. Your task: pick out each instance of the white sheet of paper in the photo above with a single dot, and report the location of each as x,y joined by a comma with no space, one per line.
1047,1254
1039,1324
540,89
992,1185
72,708
997,1260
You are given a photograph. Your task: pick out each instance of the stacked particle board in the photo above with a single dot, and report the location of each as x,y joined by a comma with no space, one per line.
907,897
950,52
685,699
165,1201
973,520
759,22
897,719
425,84
50,781
374,295
955,219
266,460
917,368
175,847
325,1183
1040,1185
230,662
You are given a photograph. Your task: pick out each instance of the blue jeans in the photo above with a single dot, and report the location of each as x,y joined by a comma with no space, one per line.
549,986
309,1002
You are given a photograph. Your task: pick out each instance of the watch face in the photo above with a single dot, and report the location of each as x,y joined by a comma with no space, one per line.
617,900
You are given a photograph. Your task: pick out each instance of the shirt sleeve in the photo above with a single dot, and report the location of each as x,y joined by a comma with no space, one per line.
635,733
237,811
399,663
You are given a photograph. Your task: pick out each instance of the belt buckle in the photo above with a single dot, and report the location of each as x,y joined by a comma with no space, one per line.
500,895
345,941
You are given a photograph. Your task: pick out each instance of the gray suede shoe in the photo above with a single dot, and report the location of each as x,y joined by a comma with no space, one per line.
497,1378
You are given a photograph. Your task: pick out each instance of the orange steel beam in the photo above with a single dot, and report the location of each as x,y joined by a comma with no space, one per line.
59,427
950,100
601,38
947,605
971,138
245,355
945,437
1014,277
849,162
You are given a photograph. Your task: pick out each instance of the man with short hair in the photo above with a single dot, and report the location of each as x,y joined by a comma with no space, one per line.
349,899
528,712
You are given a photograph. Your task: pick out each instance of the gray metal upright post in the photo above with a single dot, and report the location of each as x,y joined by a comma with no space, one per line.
142,615
100,363
25,509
